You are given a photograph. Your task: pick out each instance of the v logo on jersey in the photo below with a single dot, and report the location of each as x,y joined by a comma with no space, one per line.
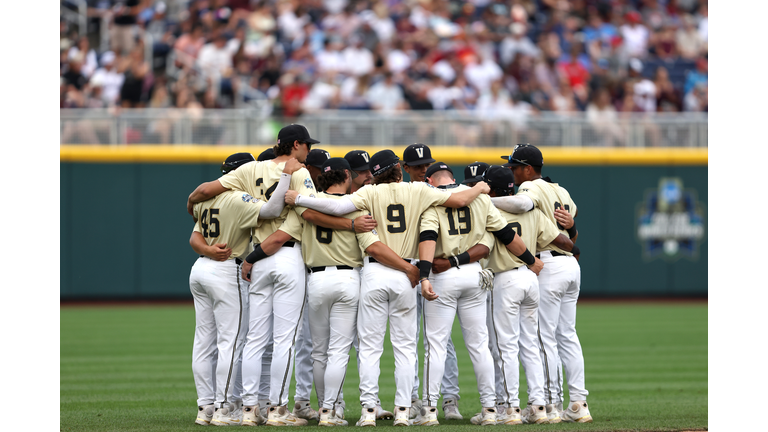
420,152
473,170
365,156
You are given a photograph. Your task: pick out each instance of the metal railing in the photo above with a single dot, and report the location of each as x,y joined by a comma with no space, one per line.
79,17
249,126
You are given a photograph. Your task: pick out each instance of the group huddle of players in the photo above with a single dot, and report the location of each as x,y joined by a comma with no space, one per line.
303,256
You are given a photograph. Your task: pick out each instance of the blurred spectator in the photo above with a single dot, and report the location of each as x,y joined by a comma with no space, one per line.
88,55
74,76
481,74
358,60
602,116
138,82
689,41
329,59
323,94
385,95
124,28
635,35
397,60
215,59
353,91
696,99
293,92
696,76
644,89
518,42
575,72
704,22
667,97
664,43
563,101
111,80
189,44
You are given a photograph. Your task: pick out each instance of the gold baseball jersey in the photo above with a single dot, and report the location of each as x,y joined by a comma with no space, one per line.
460,229
326,247
260,179
397,208
547,197
228,218
536,231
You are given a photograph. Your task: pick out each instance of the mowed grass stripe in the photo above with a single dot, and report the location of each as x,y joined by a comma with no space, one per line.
129,368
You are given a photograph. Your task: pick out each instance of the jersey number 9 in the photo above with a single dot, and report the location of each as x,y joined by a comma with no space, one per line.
396,213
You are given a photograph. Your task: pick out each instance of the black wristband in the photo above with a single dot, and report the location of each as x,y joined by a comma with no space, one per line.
575,250
424,268
527,257
463,258
454,261
257,254
572,230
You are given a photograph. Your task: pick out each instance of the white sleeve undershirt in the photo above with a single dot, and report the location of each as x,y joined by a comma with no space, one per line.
276,202
513,204
335,207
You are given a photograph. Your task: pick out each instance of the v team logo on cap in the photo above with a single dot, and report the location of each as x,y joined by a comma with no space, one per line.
473,170
365,156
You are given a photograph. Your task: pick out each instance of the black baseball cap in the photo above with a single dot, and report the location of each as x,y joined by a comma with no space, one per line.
417,154
337,163
382,161
234,162
473,172
294,132
358,160
438,166
524,154
316,157
267,154
499,178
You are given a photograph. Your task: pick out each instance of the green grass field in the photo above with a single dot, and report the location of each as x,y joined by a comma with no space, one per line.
128,368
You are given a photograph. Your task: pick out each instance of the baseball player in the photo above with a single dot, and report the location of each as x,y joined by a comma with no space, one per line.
417,158
473,173
333,295
220,297
276,283
559,283
514,306
315,160
449,234
266,155
358,160
386,294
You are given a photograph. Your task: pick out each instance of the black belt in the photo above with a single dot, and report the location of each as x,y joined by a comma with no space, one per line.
286,244
322,268
370,259
238,261
554,254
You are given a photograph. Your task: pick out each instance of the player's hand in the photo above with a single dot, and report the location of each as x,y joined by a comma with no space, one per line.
537,266
290,197
219,252
292,166
564,218
486,280
365,223
484,188
426,290
440,265
413,275
245,271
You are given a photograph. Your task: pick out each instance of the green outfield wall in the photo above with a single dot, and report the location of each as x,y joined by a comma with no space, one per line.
642,217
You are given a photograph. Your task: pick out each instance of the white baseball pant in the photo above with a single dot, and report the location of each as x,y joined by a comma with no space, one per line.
220,308
333,300
303,361
559,285
450,384
276,298
514,301
458,290
386,294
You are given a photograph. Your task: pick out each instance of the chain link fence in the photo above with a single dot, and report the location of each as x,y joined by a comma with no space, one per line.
368,128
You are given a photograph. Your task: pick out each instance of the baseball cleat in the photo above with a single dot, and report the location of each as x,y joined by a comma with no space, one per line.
401,416
415,408
578,412
382,414
534,414
368,418
338,409
204,414
509,416
304,410
451,409
252,416
553,415
427,417
280,416
485,418
231,414
329,418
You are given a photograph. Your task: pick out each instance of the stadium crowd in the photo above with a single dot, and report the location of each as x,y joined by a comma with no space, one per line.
510,58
